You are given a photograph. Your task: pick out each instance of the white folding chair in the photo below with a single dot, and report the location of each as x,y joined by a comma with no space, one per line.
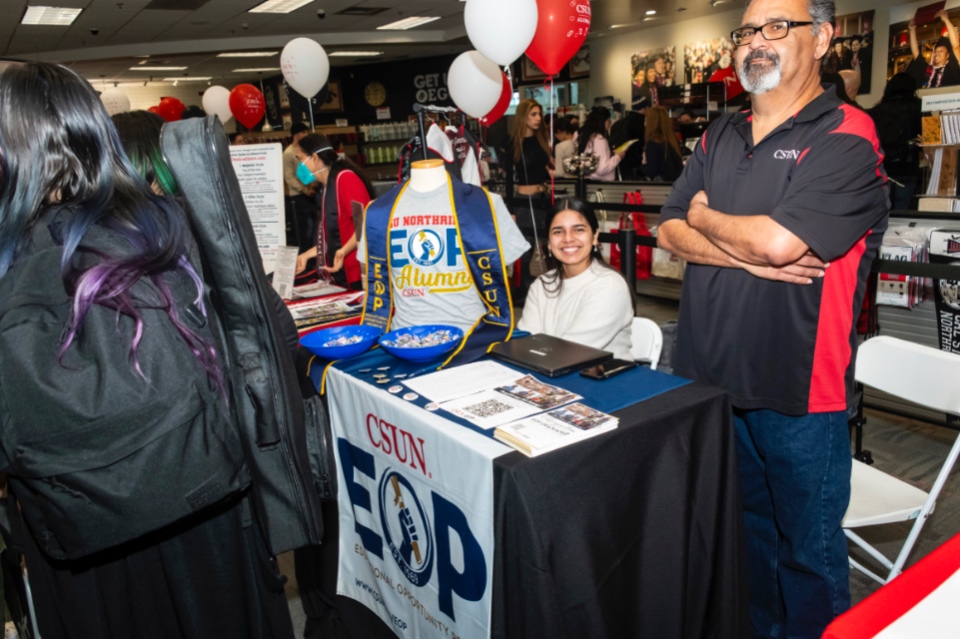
924,376
646,341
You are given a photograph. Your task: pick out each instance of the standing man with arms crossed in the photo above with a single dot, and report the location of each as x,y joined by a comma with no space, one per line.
780,212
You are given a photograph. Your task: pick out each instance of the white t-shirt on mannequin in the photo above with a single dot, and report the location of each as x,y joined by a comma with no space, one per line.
430,279
594,309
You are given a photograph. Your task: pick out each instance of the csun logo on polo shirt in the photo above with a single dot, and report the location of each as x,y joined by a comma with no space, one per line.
781,154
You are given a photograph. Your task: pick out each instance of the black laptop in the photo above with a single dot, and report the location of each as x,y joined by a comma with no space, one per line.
548,355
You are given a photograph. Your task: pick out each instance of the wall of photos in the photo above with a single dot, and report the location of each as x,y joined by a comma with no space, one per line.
613,69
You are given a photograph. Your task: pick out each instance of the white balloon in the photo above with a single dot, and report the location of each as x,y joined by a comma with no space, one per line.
115,101
475,83
216,101
305,66
501,29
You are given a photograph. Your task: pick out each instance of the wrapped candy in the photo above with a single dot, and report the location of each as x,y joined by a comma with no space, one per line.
409,340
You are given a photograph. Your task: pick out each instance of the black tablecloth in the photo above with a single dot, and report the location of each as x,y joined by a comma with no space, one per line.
637,533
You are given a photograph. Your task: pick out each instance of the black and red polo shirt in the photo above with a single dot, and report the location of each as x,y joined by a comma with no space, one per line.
773,345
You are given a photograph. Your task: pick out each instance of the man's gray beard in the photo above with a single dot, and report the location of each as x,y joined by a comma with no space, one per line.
757,79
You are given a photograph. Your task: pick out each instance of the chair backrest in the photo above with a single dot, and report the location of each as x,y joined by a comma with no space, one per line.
917,373
646,341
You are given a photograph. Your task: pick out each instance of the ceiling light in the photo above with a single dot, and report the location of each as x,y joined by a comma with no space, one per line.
279,6
406,23
141,68
247,54
651,12
266,70
620,26
57,16
188,78
354,54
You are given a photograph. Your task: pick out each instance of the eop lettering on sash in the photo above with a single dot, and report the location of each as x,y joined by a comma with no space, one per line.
478,235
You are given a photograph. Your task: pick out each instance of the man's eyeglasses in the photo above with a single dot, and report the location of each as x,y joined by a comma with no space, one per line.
776,30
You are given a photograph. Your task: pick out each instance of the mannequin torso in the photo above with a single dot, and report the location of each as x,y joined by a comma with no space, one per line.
427,175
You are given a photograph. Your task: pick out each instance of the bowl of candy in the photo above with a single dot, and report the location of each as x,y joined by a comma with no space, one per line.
421,343
340,342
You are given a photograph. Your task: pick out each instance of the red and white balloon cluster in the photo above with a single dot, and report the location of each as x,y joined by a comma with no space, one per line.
550,32
305,67
244,102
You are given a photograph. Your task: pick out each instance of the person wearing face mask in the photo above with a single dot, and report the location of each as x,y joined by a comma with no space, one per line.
581,298
343,184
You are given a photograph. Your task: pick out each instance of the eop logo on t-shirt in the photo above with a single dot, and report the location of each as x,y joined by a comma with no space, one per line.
425,247
427,255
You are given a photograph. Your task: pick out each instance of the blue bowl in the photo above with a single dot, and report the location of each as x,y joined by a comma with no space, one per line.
314,342
426,353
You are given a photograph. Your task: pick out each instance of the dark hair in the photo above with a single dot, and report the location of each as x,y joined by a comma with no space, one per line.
563,125
236,134
298,127
318,144
902,86
59,144
139,133
594,125
553,278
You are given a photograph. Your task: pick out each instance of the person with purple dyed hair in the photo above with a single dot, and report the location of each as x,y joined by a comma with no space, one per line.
103,336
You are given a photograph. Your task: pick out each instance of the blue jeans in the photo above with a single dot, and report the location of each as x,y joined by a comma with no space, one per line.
795,478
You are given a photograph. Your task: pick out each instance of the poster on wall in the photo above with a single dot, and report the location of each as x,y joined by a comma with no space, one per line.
259,169
703,59
852,47
927,56
650,71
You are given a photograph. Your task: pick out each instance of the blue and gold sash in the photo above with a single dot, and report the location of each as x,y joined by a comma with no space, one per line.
479,239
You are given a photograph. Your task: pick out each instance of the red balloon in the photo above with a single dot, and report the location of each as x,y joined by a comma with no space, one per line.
502,104
247,105
170,109
154,109
562,26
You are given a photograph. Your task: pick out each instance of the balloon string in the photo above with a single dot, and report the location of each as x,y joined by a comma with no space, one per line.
553,113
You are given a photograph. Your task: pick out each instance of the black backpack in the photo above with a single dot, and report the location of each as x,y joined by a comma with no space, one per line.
285,437
100,454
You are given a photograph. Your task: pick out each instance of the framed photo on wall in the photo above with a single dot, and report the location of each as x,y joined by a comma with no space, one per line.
580,63
331,98
530,71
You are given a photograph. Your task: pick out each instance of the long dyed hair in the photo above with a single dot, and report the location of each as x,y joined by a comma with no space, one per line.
139,133
60,154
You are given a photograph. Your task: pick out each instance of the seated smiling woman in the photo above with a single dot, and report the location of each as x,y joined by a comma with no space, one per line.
580,298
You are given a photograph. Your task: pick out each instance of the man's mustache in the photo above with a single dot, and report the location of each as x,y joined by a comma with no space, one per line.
760,54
